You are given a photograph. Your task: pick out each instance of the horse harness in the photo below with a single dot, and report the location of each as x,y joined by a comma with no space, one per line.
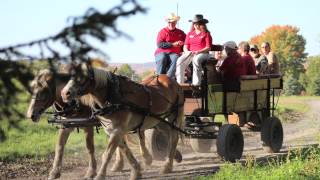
116,103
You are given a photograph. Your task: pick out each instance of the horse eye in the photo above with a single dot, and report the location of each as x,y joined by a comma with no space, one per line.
79,80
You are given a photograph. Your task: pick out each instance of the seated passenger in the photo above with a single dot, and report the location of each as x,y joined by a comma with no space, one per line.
219,58
169,42
243,50
232,67
196,49
261,61
273,62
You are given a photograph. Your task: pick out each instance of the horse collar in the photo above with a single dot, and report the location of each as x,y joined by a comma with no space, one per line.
113,89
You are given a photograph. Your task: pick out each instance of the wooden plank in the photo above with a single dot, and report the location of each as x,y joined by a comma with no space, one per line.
215,102
253,84
276,83
236,102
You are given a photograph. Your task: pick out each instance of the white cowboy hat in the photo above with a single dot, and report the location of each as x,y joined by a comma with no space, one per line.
172,18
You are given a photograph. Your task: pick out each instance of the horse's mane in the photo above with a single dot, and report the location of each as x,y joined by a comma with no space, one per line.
100,77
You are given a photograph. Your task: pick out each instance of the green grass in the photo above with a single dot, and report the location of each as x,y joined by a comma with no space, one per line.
295,103
291,108
37,140
298,165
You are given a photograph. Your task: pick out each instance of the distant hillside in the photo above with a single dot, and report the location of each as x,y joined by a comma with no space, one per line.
138,67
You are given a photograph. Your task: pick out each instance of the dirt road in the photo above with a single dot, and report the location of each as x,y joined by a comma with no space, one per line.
302,132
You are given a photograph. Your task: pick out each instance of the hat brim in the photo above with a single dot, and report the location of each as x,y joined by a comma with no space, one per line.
205,21
175,19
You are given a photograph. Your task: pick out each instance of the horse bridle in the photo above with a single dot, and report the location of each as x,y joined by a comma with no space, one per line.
81,87
51,92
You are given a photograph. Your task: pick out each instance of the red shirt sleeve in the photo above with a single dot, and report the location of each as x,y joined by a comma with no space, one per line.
161,36
208,39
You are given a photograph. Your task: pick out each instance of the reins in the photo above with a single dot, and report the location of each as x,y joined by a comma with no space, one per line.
117,103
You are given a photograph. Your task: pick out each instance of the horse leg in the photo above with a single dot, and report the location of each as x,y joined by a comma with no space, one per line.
174,138
91,171
143,149
115,137
172,152
57,162
135,166
118,165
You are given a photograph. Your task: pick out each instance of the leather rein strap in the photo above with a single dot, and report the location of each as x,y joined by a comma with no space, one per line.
116,103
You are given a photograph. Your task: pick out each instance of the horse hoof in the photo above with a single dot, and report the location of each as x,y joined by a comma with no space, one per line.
178,157
90,174
166,170
54,174
99,177
135,175
148,161
117,167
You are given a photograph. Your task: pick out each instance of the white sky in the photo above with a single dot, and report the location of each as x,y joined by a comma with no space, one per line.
22,21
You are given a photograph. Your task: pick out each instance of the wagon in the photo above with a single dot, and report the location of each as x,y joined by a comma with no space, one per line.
247,104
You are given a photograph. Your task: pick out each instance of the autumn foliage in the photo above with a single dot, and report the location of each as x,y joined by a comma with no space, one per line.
287,44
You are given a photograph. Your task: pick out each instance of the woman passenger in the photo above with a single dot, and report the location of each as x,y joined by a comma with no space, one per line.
196,50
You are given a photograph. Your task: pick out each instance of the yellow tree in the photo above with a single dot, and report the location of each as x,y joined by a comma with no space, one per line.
288,45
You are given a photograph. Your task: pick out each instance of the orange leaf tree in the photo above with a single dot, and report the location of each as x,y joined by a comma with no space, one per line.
288,45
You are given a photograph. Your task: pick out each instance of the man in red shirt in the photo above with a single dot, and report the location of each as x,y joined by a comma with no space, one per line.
232,67
243,50
169,42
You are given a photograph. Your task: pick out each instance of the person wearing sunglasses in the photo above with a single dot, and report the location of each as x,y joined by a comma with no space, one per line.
261,61
273,62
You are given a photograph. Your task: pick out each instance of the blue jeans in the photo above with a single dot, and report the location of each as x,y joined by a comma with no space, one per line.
166,63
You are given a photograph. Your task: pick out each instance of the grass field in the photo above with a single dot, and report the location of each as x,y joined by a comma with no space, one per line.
38,140
298,165
290,108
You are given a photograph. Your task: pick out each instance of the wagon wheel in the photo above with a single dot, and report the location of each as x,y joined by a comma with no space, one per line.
201,145
157,142
230,142
272,135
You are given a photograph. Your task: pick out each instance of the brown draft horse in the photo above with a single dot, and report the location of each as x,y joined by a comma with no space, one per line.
129,106
46,90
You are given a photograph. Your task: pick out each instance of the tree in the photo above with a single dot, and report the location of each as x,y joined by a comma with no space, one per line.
93,25
292,86
288,45
126,70
312,82
147,73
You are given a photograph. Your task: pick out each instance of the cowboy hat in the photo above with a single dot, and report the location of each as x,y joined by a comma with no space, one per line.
172,18
198,18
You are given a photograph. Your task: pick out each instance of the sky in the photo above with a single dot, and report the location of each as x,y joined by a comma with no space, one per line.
237,20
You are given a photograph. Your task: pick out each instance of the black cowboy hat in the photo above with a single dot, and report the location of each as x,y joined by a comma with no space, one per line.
198,18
